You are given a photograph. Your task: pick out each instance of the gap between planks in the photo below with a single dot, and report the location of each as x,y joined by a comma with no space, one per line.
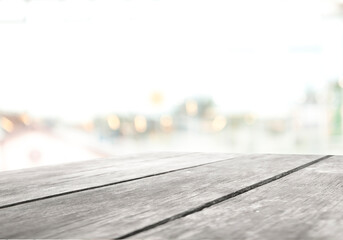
108,184
221,199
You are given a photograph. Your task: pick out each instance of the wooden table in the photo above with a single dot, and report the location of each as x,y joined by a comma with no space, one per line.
177,196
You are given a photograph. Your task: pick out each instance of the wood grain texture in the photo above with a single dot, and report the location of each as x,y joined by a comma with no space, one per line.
113,211
305,205
23,185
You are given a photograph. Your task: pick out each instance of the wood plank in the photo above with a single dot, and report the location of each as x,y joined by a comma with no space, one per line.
305,205
24,185
113,211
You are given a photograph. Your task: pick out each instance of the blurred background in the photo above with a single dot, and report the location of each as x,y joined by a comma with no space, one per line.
84,79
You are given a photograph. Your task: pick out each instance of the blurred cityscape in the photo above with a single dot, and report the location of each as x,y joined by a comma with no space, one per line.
86,79
314,126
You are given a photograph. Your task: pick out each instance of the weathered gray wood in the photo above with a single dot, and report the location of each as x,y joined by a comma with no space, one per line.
307,204
22,185
113,211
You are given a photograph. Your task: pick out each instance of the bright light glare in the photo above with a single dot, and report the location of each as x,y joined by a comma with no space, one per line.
7,124
219,123
121,51
191,107
166,122
140,124
113,122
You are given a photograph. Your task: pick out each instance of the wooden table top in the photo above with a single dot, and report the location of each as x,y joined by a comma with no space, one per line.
177,196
